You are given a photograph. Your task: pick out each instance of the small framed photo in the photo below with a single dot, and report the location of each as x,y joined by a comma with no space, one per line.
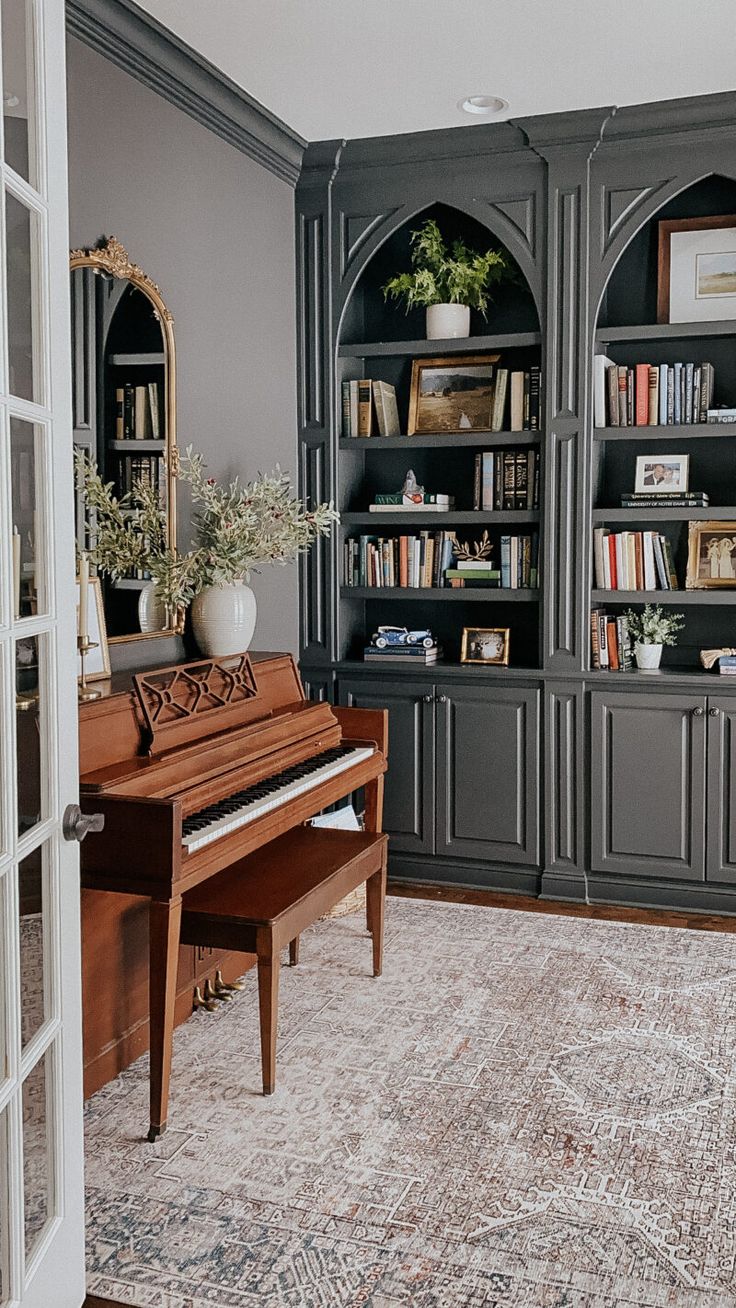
485,645
97,662
696,279
661,474
453,394
711,556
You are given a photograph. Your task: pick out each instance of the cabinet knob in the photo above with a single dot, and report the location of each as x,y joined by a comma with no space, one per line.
441,699
697,712
714,712
427,699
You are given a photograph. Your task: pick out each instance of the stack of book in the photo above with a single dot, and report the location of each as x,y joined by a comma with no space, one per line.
651,395
400,503
633,560
412,562
506,479
141,470
369,408
727,665
412,656
518,571
665,500
610,641
138,412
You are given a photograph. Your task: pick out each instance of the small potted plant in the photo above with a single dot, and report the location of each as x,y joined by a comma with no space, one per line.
448,281
651,630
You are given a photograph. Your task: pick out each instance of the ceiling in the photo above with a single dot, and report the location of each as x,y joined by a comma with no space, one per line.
352,68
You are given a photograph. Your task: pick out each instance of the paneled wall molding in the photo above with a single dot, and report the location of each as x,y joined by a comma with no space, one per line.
143,47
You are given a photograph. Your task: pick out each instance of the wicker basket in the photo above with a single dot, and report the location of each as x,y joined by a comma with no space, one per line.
352,903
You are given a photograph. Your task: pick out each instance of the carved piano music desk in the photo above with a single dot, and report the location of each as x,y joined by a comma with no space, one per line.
207,762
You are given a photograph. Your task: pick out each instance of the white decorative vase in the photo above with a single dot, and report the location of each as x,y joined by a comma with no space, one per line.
648,657
152,615
445,321
224,618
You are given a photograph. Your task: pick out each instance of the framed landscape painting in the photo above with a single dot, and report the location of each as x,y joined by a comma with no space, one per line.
452,394
697,269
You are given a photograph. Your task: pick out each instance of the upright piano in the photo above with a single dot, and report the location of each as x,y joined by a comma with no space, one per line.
215,758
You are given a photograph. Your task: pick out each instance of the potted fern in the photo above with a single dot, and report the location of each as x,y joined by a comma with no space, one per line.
651,630
448,281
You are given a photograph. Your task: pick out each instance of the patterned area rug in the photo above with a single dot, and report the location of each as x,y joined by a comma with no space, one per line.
525,1110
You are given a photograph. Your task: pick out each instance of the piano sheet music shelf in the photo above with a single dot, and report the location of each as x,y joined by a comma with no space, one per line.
204,763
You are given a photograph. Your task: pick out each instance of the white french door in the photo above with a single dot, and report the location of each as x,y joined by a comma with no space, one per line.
41,1200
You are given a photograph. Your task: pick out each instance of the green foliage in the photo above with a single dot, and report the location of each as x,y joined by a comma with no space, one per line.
442,275
654,626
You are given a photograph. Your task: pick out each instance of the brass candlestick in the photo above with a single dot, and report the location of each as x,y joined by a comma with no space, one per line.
84,645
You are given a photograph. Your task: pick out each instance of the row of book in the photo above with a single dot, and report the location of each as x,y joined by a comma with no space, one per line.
519,567
517,399
138,412
143,470
633,560
610,641
506,479
369,408
427,561
651,395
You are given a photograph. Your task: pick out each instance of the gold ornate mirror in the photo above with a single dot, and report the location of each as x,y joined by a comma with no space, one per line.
124,403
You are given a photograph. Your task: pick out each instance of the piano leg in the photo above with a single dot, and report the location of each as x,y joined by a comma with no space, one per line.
373,822
269,966
164,931
294,951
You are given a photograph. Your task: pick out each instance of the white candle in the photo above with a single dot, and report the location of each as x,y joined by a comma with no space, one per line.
16,572
83,595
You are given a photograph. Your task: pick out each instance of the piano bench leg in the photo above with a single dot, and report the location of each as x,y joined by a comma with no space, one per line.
155,1133
269,966
294,951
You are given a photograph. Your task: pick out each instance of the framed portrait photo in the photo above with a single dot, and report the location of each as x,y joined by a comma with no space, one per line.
97,662
661,474
711,556
696,270
452,394
485,645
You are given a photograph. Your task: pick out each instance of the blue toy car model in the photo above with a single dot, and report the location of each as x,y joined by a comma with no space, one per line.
386,636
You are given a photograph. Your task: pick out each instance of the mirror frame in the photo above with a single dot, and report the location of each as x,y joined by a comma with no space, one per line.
110,256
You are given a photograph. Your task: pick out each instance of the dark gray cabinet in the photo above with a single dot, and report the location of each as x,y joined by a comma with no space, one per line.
648,769
408,810
721,789
487,773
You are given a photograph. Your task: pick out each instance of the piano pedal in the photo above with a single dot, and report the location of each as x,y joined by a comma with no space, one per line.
212,996
199,1002
225,987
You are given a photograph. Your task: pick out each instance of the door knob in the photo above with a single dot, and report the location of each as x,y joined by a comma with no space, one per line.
713,712
427,699
75,824
697,712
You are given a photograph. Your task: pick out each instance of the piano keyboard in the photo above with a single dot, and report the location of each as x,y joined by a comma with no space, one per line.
218,820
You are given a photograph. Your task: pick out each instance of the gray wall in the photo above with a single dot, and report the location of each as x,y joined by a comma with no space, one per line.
215,231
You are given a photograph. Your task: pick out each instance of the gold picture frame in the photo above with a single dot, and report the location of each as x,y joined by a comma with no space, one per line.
97,661
443,409
477,639
711,556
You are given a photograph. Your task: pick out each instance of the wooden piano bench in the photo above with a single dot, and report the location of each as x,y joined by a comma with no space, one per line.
261,904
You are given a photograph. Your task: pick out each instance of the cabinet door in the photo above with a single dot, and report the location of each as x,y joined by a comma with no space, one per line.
408,808
721,860
648,785
488,773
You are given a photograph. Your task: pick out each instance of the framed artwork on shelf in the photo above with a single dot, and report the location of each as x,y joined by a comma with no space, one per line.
451,394
711,556
485,645
661,474
97,661
696,269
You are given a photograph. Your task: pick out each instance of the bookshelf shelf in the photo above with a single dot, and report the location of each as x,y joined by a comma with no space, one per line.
430,349
129,583
719,514
682,432
486,440
137,447
444,594
442,671
667,597
141,359
464,517
665,331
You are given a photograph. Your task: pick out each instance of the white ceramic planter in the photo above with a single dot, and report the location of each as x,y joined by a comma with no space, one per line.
647,657
152,615
445,321
224,619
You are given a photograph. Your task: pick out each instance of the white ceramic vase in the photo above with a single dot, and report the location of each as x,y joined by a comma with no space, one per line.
152,615
648,657
224,618
445,321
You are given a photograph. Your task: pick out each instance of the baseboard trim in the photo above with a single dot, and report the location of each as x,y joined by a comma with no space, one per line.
131,38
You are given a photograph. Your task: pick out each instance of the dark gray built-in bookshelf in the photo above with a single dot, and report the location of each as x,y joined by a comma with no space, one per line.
548,776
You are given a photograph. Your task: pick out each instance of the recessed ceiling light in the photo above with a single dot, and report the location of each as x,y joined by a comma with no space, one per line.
10,100
484,106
